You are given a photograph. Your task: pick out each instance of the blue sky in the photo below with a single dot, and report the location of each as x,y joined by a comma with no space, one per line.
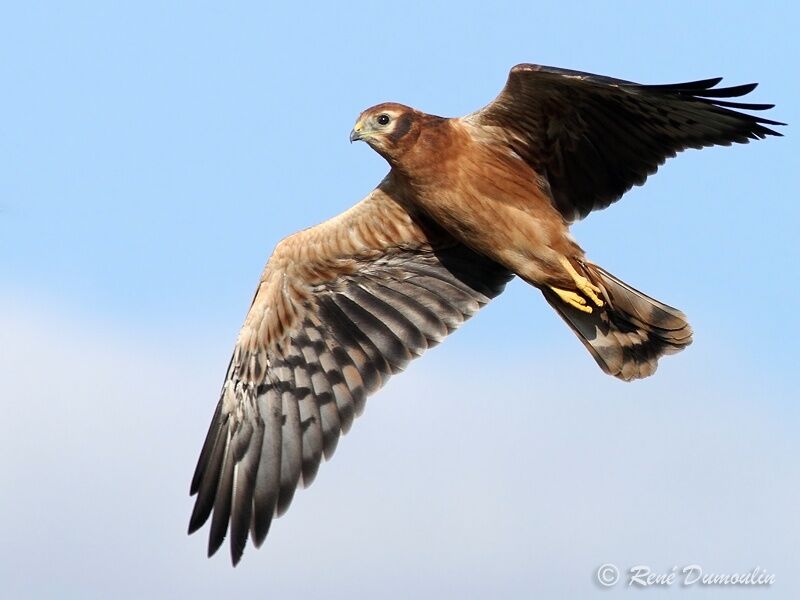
152,154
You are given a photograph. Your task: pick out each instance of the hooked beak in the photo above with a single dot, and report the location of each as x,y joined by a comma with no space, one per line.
355,134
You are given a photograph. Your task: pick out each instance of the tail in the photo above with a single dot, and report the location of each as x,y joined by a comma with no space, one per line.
630,333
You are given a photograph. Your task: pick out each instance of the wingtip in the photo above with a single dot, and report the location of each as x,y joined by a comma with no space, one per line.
699,85
196,521
710,82
214,544
259,531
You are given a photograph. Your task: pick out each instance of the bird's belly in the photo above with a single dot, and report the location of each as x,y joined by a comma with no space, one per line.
520,234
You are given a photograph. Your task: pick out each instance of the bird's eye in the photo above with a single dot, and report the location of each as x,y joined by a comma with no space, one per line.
383,119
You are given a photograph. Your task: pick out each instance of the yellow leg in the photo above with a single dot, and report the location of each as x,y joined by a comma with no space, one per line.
573,299
584,285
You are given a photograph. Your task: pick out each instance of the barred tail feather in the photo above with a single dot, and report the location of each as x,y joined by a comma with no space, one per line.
630,333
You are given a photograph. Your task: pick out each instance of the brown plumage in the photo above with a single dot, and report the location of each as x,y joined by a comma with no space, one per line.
468,203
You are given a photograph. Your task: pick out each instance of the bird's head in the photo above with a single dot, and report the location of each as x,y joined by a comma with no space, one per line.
389,128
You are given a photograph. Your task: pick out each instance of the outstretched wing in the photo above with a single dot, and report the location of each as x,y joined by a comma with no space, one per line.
339,309
594,137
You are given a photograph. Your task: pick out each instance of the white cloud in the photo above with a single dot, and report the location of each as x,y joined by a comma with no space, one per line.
472,475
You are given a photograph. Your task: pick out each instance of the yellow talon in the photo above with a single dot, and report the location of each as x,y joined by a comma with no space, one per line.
572,299
583,284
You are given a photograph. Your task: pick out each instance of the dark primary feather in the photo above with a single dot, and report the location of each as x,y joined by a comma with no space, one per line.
266,440
595,137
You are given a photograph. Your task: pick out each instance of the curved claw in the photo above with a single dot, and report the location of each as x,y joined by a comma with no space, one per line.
583,284
573,299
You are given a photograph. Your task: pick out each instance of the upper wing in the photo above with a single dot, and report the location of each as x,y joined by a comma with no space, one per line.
594,137
339,309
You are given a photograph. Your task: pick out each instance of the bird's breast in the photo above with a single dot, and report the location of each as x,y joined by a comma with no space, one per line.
493,203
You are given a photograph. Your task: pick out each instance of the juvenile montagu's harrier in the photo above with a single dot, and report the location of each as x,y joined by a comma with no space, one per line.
468,203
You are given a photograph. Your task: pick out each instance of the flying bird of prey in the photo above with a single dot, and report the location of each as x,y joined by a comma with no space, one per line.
469,203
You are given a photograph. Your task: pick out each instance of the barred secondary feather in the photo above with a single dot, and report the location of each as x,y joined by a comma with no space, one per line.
356,331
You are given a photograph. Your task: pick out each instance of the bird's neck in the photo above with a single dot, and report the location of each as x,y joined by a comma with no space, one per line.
425,158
